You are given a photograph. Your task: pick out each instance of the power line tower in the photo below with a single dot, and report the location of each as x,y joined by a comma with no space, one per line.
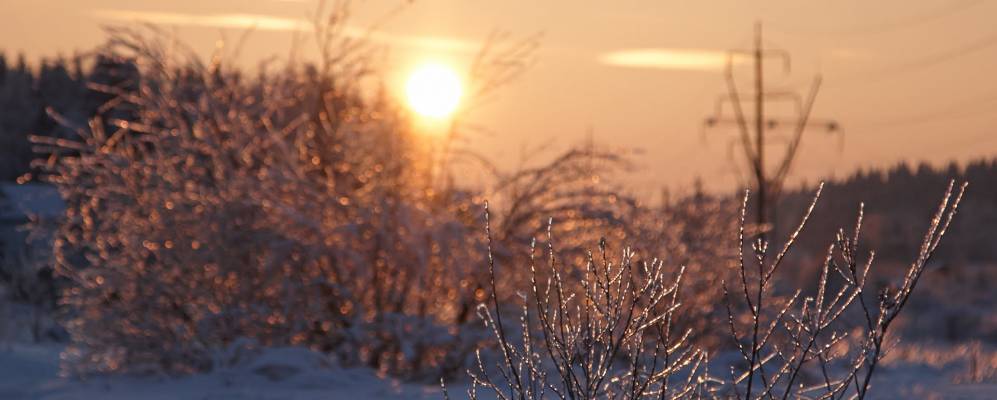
768,184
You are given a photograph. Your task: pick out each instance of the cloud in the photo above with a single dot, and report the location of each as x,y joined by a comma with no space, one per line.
240,21
673,59
271,23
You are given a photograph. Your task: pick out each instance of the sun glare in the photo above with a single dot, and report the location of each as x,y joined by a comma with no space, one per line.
433,90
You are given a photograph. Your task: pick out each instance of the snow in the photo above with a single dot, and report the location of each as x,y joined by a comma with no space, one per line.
17,202
31,372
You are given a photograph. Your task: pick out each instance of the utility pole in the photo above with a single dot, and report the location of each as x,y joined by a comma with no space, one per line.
768,186
759,125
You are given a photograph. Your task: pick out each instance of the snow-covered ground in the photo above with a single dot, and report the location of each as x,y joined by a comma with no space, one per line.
31,372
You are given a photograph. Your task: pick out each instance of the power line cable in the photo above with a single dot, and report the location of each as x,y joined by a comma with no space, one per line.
927,61
939,13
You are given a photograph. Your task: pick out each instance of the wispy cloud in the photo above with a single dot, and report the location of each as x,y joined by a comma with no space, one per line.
240,21
271,23
674,59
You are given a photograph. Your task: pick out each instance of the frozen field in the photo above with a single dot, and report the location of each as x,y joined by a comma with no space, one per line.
31,372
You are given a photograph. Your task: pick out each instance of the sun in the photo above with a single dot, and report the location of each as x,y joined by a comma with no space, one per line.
433,90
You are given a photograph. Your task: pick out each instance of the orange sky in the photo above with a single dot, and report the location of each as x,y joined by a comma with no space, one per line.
906,80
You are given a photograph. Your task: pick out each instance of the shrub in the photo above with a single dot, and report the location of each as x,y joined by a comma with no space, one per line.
612,334
208,207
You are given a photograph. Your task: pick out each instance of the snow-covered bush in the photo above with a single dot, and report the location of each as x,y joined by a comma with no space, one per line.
693,233
612,334
286,208
207,206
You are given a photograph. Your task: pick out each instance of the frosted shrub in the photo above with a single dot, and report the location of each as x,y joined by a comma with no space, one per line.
612,335
208,207
693,233
285,208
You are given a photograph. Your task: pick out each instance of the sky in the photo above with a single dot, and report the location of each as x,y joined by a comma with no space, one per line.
904,80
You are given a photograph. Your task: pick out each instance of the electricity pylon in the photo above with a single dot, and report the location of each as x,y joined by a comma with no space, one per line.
768,184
